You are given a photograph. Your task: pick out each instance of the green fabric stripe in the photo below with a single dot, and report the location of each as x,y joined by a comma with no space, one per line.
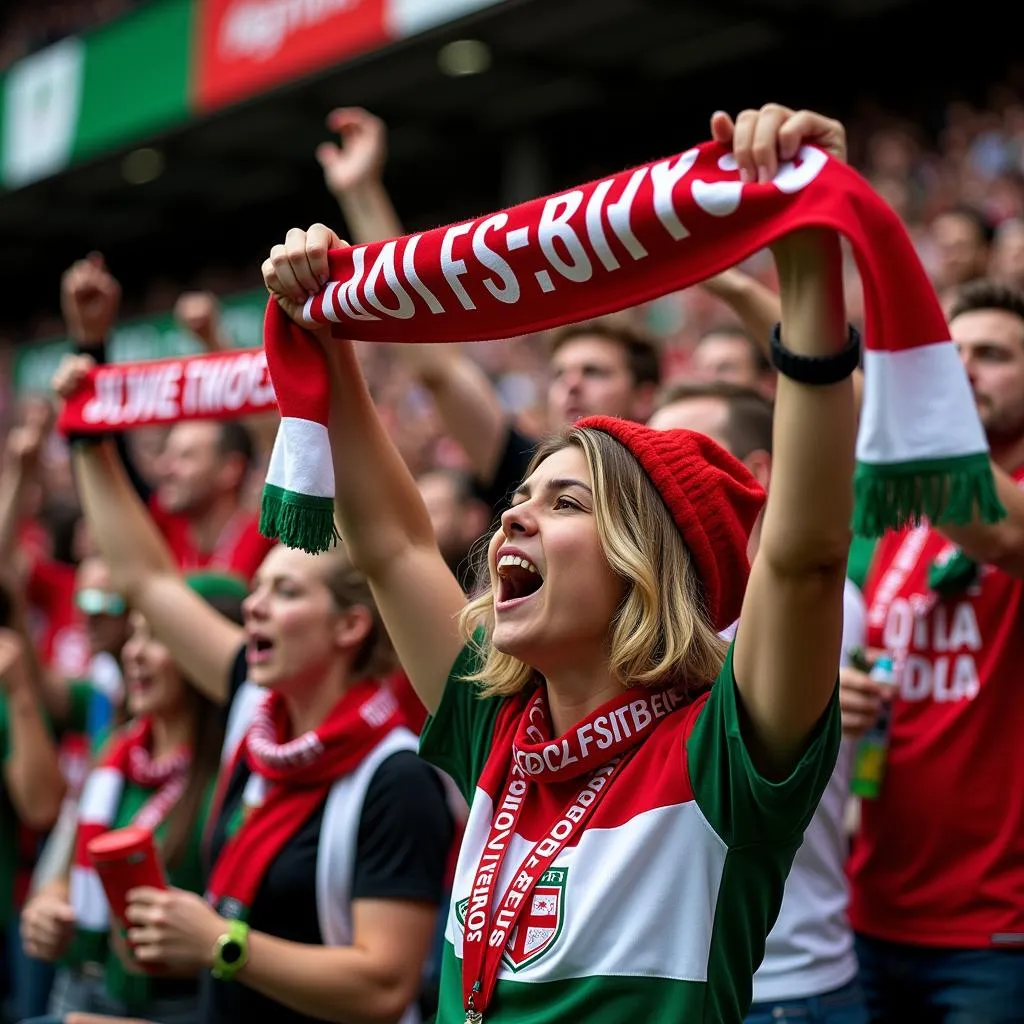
463,725
858,565
136,77
951,490
79,699
601,1000
303,521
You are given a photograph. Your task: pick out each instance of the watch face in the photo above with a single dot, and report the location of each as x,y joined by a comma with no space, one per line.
231,952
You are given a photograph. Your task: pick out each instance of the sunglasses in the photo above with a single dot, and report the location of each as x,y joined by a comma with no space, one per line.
98,602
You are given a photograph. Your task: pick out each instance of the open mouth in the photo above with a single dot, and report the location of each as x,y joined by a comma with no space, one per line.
259,650
138,686
518,579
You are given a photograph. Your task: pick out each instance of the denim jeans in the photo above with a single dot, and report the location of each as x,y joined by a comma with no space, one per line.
30,980
840,1006
941,986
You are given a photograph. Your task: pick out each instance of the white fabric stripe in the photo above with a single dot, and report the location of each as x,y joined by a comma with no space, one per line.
917,405
301,458
86,895
100,797
631,908
336,851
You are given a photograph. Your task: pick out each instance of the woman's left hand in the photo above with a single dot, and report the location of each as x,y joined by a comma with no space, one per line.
172,927
762,139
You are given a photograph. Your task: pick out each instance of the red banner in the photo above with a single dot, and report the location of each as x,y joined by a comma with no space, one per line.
218,386
248,46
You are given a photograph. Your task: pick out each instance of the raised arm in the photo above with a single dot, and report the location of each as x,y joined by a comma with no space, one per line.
19,473
383,521
31,769
756,305
202,641
466,400
1000,544
788,643
759,310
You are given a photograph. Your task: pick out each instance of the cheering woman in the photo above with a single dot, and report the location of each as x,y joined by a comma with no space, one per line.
638,789
157,772
329,837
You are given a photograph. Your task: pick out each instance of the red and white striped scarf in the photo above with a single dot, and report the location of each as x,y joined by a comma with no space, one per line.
128,758
288,781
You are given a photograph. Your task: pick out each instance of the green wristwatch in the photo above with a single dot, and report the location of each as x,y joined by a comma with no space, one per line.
231,951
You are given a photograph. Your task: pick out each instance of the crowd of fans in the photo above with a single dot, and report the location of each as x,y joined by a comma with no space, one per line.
27,27
960,193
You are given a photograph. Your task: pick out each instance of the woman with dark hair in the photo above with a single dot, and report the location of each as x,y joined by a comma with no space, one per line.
328,840
158,771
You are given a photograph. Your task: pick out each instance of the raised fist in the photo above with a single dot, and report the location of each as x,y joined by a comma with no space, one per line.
89,299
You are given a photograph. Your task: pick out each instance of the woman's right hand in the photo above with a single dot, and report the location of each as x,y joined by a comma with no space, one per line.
298,269
861,699
47,925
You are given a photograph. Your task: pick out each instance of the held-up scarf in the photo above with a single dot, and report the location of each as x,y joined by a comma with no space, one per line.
626,239
617,242
594,751
118,396
288,780
127,758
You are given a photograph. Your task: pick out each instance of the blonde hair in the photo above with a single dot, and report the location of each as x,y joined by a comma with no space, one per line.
660,634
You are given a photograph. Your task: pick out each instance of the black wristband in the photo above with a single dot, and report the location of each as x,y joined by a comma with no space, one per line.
96,349
816,370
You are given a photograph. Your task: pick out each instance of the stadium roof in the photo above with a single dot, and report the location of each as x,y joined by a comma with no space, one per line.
574,88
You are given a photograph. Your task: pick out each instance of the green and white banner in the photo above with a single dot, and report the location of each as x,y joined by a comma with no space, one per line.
172,60
82,96
42,97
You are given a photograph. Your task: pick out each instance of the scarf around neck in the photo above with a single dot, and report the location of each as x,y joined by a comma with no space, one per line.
127,759
288,780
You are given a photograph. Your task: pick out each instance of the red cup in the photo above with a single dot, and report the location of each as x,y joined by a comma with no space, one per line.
126,859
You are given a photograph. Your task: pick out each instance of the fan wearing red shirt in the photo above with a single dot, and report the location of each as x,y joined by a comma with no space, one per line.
197,502
202,470
938,868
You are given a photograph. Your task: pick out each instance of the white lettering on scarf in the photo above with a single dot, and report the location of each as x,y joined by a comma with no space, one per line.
599,733
572,237
171,390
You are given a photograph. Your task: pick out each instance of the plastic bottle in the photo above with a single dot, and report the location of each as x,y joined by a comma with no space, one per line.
869,758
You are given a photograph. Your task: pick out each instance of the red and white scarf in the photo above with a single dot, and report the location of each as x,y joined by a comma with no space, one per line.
288,780
594,751
217,386
127,759
624,240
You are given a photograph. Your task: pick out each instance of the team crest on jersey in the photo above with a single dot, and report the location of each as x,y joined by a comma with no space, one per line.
539,925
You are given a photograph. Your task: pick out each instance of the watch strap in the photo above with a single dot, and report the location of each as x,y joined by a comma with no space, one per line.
231,951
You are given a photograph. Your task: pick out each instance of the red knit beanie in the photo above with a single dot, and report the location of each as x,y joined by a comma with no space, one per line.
712,496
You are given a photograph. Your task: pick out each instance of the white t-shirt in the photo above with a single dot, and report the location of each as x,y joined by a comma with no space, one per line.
810,949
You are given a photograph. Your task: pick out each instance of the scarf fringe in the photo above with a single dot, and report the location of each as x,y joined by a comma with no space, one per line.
954,491
301,521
